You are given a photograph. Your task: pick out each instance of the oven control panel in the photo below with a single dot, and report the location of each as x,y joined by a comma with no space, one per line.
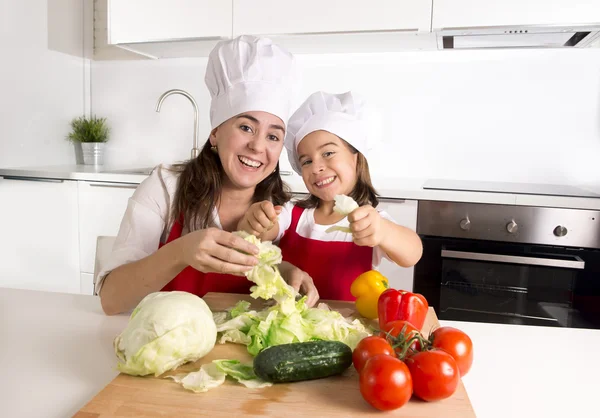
510,223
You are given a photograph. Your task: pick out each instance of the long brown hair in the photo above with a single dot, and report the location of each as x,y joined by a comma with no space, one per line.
200,184
363,193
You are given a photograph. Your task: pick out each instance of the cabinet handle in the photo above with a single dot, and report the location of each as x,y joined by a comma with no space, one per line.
285,173
40,179
114,185
392,200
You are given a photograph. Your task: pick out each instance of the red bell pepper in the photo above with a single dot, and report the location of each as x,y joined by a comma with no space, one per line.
399,304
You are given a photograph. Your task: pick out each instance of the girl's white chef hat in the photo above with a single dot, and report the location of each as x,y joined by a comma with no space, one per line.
250,73
340,114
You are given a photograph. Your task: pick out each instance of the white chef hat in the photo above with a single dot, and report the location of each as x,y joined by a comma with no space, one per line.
340,114
249,73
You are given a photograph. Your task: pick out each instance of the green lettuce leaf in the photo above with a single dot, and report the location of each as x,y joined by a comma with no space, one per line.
208,377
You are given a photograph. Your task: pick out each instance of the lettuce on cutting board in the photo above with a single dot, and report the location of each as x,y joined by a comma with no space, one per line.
287,321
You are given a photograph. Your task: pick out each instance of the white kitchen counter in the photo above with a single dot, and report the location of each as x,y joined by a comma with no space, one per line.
56,353
388,188
130,175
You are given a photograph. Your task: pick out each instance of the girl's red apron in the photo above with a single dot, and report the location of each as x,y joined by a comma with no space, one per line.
194,281
333,265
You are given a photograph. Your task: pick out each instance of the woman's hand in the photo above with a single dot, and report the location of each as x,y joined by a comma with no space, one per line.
214,250
366,226
260,218
300,281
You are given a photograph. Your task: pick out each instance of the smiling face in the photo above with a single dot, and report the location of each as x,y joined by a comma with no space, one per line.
328,165
249,146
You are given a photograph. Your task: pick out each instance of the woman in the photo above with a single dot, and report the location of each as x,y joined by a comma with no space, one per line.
176,232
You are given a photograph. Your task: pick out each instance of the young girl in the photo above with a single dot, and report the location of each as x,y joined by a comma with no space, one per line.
326,141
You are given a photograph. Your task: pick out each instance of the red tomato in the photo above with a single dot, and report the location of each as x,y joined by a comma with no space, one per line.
456,343
369,347
435,374
394,329
385,382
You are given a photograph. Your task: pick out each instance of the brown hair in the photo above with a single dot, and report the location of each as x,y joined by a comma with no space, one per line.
199,189
363,193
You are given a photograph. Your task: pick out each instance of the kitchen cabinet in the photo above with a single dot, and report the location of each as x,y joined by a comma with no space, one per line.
337,26
404,212
162,28
259,17
101,209
40,241
487,13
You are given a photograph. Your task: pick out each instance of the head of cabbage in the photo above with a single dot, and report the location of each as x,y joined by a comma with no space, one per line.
166,330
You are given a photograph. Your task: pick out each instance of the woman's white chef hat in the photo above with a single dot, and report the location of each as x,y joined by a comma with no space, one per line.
340,114
249,73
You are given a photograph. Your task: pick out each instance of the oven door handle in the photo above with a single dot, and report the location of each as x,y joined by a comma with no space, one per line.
577,263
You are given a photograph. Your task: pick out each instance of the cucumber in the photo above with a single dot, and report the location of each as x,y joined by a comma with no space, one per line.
302,361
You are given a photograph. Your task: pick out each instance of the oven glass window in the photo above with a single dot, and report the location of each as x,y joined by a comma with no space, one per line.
507,292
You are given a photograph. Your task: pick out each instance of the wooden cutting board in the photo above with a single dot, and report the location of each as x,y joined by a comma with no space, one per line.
338,396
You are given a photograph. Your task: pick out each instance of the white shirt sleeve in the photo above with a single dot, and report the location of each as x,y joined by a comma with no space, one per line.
378,253
285,220
145,223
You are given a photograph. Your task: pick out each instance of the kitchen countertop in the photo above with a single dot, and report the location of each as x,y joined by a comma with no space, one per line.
56,353
388,188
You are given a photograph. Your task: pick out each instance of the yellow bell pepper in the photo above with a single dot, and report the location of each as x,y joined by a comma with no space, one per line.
366,288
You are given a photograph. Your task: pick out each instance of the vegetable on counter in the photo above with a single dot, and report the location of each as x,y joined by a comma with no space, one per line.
399,332
434,365
262,329
435,374
385,382
164,331
212,375
456,343
370,347
367,288
302,361
399,304
289,321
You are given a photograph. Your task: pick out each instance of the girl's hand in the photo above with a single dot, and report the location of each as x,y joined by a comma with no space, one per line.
366,226
300,281
260,218
214,250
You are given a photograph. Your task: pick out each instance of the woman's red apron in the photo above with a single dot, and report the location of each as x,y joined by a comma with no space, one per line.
194,281
333,265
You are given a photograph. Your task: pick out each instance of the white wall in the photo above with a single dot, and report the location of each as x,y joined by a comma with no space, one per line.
510,115
520,115
42,79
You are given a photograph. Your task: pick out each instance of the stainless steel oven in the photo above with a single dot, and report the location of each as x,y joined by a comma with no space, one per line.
510,264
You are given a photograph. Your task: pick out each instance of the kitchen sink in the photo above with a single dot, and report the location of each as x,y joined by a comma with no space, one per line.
146,171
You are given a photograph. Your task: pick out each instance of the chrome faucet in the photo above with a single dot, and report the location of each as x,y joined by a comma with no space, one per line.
195,149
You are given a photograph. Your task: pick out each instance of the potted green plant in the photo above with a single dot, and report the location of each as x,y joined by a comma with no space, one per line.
89,134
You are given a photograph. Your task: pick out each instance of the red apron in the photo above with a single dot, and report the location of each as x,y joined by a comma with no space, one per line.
194,281
333,265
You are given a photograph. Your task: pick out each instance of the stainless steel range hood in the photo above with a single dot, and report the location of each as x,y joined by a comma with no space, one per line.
577,36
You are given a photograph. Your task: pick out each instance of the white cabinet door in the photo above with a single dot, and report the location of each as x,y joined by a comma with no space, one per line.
101,209
477,13
40,245
131,21
404,212
284,17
